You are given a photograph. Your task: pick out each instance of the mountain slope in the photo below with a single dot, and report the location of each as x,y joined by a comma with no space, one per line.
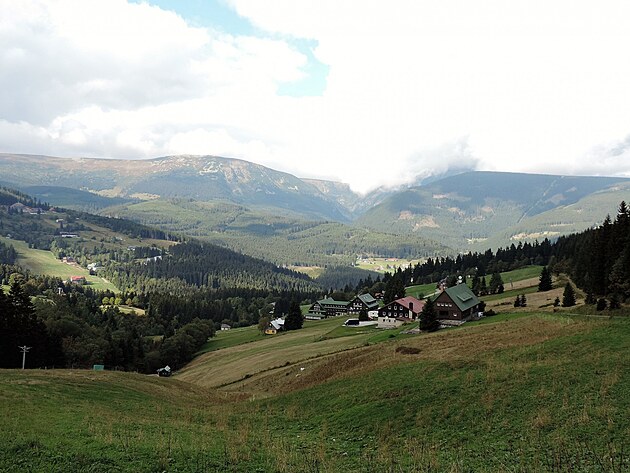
199,177
472,207
280,239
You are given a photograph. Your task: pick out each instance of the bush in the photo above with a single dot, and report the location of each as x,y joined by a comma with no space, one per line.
601,304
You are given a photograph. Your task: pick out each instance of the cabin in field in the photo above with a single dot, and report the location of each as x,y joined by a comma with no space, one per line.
328,307
225,327
455,305
362,302
77,280
275,326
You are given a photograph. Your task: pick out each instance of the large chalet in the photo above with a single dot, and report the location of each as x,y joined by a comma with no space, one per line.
456,305
362,302
328,307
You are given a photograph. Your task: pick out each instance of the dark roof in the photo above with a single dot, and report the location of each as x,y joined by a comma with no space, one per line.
462,296
368,300
331,301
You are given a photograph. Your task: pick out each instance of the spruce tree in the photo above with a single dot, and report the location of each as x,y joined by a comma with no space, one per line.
483,288
294,319
523,301
590,299
428,316
568,297
495,282
395,289
476,283
544,283
517,301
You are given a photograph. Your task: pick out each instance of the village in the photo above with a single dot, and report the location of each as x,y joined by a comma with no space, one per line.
453,306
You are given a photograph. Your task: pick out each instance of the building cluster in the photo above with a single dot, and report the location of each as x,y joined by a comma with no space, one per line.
19,207
454,306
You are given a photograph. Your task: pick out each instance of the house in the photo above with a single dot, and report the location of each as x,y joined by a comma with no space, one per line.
391,322
407,307
274,327
328,307
225,327
362,302
456,304
19,207
77,280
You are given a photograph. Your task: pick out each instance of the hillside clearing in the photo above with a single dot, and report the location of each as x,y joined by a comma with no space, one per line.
44,262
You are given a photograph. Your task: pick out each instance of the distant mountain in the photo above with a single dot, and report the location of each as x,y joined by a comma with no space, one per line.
205,178
462,210
477,210
354,203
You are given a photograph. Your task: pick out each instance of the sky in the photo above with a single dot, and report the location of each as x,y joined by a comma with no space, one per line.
371,93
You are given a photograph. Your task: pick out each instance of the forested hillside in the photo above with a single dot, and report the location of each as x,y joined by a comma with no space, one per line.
181,290
598,260
478,210
280,239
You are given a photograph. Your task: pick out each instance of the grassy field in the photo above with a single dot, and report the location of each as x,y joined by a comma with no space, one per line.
518,279
232,337
245,354
382,265
44,262
531,392
422,290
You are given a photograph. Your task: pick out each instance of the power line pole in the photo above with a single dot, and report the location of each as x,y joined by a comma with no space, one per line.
24,350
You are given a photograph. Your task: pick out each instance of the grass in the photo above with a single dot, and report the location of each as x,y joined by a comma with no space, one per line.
383,265
420,290
232,337
518,278
246,355
44,262
531,392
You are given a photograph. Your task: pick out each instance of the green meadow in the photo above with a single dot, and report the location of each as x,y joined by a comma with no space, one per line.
44,262
531,392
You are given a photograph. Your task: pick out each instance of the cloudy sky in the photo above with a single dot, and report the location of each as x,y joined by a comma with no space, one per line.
370,93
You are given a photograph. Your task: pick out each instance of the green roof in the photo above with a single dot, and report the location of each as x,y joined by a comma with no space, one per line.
462,296
331,301
368,299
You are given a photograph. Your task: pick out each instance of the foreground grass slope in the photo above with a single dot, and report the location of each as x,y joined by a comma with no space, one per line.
531,392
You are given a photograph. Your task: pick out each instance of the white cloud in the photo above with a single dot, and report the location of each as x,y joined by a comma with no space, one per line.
413,87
